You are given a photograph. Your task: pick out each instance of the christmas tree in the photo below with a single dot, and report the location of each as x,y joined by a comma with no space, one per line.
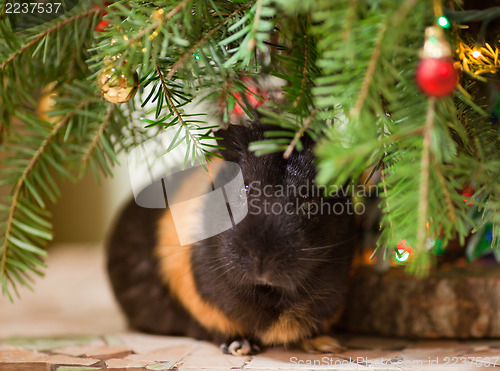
347,72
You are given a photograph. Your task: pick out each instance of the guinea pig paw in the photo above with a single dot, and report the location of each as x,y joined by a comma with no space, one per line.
321,344
240,347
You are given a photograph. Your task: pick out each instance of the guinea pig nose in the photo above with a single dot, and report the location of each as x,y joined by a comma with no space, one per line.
263,278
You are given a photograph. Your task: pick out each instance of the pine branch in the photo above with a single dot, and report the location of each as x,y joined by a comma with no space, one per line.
305,73
166,90
87,13
450,209
4,9
94,143
255,26
351,16
348,69
157,23
369,73
298,135
199,152
386,201
402,12
253,35
182,60
21,184
423,192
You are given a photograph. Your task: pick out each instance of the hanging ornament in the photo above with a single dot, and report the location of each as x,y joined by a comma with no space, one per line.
467,194
101,26
254,95
480,244
436,75
46,102
435,245
117,87
114,58
158,16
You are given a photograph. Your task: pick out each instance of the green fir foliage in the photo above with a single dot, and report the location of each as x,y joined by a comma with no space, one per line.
348,75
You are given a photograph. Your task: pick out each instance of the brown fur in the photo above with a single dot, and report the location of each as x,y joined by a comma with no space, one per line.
176,272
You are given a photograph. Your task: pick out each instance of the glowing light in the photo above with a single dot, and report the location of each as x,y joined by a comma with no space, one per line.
476,54
402,255
443,22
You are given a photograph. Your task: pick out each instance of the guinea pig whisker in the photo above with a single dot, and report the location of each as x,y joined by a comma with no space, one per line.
316,260
309,289
176,252
311,286
212,245
182,275
343,261
329,246
244,277
227,270
282,297
217,264
319,247
221,266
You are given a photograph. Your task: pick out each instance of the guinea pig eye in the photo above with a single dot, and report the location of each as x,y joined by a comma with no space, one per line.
308,206
243,192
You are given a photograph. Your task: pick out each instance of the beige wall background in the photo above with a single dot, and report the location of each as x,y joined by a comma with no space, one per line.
86,210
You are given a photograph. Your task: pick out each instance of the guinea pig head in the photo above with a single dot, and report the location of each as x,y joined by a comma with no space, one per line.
292,234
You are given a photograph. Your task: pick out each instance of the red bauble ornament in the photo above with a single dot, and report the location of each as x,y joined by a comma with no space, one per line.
467,194
436,74
252,99
437,77
101,26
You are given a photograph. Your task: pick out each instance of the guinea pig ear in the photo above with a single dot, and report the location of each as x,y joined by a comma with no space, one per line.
236,139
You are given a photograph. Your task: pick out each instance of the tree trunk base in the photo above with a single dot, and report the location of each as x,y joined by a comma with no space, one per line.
457,303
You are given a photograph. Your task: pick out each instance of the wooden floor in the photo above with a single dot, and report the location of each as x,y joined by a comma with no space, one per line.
70,322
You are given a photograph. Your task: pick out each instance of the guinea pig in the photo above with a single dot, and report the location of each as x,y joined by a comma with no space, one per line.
278,277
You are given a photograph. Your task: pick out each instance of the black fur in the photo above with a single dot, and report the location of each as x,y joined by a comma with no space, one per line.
262,267
133,271
272,246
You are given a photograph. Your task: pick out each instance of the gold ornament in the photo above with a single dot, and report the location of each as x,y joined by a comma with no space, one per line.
435,45
117,87
46,102
158,14
114,58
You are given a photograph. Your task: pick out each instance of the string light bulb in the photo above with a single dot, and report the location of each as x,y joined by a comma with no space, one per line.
443,22
403,251
476,54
